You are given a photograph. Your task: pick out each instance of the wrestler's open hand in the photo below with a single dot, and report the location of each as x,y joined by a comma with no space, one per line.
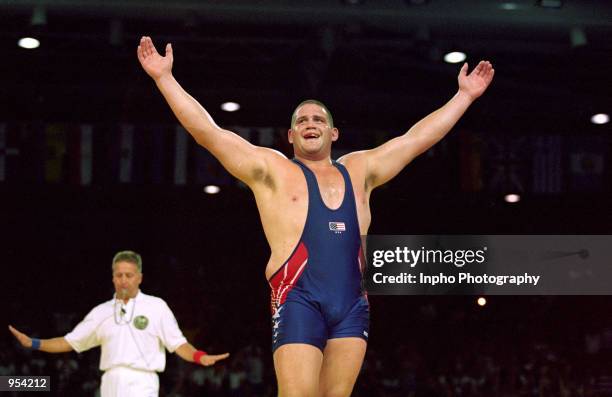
475,83
152,62
25,340
211,359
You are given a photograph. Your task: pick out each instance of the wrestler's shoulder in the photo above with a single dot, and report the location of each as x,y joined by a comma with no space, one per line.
271,154
276,160
355,162
279,165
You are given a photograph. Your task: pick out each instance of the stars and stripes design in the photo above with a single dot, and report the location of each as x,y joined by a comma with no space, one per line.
275,323
337,227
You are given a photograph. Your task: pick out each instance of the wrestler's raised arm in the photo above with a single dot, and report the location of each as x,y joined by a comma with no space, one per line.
242,159
53,345
386,161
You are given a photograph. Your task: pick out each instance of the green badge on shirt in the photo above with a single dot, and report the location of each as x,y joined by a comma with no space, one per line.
141,322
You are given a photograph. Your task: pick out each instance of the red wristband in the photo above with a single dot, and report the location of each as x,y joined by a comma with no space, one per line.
197,355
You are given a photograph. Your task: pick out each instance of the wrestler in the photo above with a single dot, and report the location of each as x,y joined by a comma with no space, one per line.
313,210
132,329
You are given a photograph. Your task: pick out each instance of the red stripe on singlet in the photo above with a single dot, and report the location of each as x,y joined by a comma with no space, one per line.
284,279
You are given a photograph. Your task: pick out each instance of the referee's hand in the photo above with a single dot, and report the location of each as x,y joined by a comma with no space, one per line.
25,340
210,359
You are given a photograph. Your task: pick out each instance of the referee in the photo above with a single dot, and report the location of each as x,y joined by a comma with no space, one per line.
132,329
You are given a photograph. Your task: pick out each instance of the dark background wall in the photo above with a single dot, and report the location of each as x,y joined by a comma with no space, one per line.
378,66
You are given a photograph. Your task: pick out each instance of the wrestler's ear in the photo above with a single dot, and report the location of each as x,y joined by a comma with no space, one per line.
335,134
290,135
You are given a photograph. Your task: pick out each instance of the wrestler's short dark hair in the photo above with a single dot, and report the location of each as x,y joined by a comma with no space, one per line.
330,119
128,256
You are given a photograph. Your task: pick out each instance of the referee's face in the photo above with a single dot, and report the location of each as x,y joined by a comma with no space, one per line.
126,279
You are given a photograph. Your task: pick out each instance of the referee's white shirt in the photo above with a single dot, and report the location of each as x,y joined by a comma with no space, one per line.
116,327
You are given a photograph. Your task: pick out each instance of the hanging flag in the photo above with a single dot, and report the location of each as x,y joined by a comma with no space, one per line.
81,154
506,164
587,162
105,152
140,155
208,170
5,151
156,153
126,152
181,148
32,148
546,165
470,158
86,133
204,167
265,137
243,132
55,159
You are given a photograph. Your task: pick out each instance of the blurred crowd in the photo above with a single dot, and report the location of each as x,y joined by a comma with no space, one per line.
447,352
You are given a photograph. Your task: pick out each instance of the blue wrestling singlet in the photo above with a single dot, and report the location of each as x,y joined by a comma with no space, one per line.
317,294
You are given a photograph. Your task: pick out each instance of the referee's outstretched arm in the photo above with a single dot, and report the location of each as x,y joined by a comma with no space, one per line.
187,352
53,345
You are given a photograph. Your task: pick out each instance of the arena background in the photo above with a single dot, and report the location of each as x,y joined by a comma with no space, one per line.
92,161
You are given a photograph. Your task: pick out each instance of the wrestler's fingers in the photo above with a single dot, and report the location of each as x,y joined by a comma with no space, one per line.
146,46
140,54
490,75
479,69
488,67
141,46
151,46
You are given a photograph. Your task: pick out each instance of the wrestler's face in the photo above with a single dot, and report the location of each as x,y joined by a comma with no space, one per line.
311,134
126,279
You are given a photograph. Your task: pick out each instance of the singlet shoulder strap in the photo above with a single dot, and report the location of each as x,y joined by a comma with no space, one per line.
347,178
311,180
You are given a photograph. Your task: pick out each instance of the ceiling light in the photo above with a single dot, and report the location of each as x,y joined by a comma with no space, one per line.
454,57
512,198
211,189
28,43
600,118
230,106
38,21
